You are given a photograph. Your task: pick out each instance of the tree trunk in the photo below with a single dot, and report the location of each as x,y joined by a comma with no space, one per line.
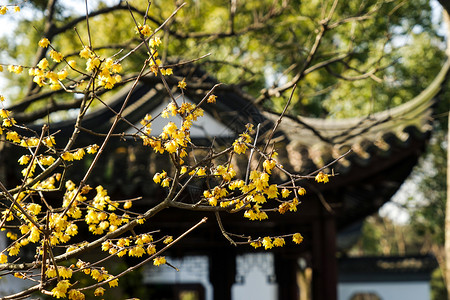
447,212
447,205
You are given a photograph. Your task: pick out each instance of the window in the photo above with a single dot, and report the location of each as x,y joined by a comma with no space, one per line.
365,296
177,292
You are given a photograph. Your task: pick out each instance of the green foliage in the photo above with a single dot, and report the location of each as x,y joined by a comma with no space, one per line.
438,290
267,38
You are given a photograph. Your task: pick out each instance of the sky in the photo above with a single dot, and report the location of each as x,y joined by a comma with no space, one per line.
9,21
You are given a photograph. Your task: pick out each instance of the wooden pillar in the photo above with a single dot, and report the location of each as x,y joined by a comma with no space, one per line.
286,274
324,259
222,272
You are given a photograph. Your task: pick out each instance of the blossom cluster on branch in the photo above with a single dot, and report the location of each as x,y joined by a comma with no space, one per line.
31,220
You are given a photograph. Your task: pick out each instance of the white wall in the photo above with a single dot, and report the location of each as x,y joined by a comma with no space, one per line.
257,271
10,284
419,290
192,269
206,126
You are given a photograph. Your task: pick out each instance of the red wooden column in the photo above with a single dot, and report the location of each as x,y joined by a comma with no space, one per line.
286,274
324,259
222,272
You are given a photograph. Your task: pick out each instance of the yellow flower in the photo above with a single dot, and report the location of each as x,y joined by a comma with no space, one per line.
49,141
43,64
47,160
301,191
96,275
158,176
62,74
168,240
72,229
182,84
72,64
114,283
16,8
169,71
147,238
283,207
261,215
297,238
201,172
278,242
272,191
170,128
67,156
99,291
3,10
75,295
293,204
79,154
212,99
322,177
151,249
116,68
24,159
9,122
34,235
267,243
61,289
258,198
4,113
34,208
137,251
239,148
92,63
55,87
285,193
56,56
44,42
3,258
13,136
64,272
85,52
145,30
11,235
256,244
269,165
166,182
15,69
212,201
106,245
183,170
127,204
155,42
92,149
171,146
160,260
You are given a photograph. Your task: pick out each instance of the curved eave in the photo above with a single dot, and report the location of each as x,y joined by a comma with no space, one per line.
323,140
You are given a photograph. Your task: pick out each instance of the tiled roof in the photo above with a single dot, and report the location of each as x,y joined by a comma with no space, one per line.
385,146
376,134
386,268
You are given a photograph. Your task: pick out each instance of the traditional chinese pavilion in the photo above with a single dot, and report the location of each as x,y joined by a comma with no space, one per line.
385,147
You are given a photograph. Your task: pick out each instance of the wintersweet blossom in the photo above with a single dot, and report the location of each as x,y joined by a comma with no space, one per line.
160,260
44,42
297,238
